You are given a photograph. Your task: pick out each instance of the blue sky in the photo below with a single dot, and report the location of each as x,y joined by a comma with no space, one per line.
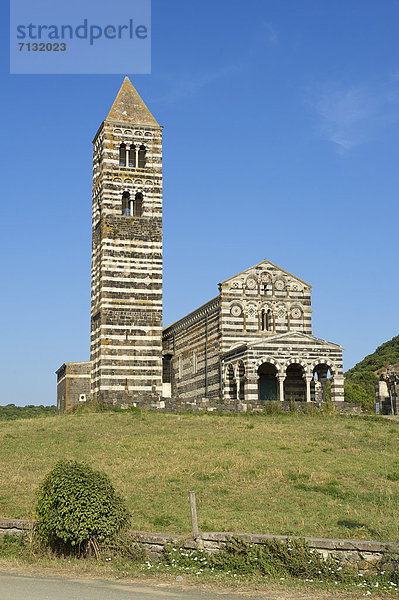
281,125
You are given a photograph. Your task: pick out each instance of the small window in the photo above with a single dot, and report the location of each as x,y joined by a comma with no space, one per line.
142,159
132,156
138,205
122,155
167,369
194,362
126,204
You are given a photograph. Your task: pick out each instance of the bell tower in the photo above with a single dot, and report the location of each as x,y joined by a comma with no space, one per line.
126,284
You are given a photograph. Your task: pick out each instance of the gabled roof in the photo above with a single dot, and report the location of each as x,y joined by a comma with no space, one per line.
292,335
128,107
240,347
264,262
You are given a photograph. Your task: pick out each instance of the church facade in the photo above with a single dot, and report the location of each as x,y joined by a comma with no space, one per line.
251,344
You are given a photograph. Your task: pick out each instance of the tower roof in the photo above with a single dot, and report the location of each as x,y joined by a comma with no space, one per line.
128,107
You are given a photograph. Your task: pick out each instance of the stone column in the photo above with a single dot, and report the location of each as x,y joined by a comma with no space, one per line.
281,379
308,379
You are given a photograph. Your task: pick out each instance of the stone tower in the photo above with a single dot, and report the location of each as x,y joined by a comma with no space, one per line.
126,288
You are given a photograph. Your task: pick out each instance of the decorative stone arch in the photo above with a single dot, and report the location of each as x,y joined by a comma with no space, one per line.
265,277
296,315
251,281
236,308
280,283
266,306
324,361
298,361
268,359
295,286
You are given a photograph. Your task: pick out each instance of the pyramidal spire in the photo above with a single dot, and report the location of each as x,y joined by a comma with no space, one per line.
128,107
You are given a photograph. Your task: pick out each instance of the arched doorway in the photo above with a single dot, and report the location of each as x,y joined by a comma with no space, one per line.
320,388
294,384
267,382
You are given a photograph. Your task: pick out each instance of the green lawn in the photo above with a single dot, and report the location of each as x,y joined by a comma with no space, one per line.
323,476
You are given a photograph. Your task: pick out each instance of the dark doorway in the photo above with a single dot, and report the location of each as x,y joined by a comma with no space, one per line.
267,382
294,384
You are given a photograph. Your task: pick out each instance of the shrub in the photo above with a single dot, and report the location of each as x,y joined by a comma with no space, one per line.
78,508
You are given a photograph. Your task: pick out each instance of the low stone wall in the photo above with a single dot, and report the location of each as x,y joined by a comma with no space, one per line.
176,405
363,556
15,526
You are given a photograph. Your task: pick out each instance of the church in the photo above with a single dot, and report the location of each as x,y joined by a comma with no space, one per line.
249,345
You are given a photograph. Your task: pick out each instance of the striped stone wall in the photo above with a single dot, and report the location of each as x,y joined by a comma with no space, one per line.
194,348
261,317
293,357
126,306
262,301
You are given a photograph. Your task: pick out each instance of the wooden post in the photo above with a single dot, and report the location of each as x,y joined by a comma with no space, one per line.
194,520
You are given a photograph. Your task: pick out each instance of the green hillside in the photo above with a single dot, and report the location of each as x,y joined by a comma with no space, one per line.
360,380
311,475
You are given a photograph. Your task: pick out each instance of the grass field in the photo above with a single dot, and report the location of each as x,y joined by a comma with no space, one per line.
324,476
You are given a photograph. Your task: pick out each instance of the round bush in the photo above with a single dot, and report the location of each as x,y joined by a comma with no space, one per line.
78,506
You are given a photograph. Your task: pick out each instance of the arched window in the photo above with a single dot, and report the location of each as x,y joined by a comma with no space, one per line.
138,205
126,204
122,155
132,156
141,161
262,322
